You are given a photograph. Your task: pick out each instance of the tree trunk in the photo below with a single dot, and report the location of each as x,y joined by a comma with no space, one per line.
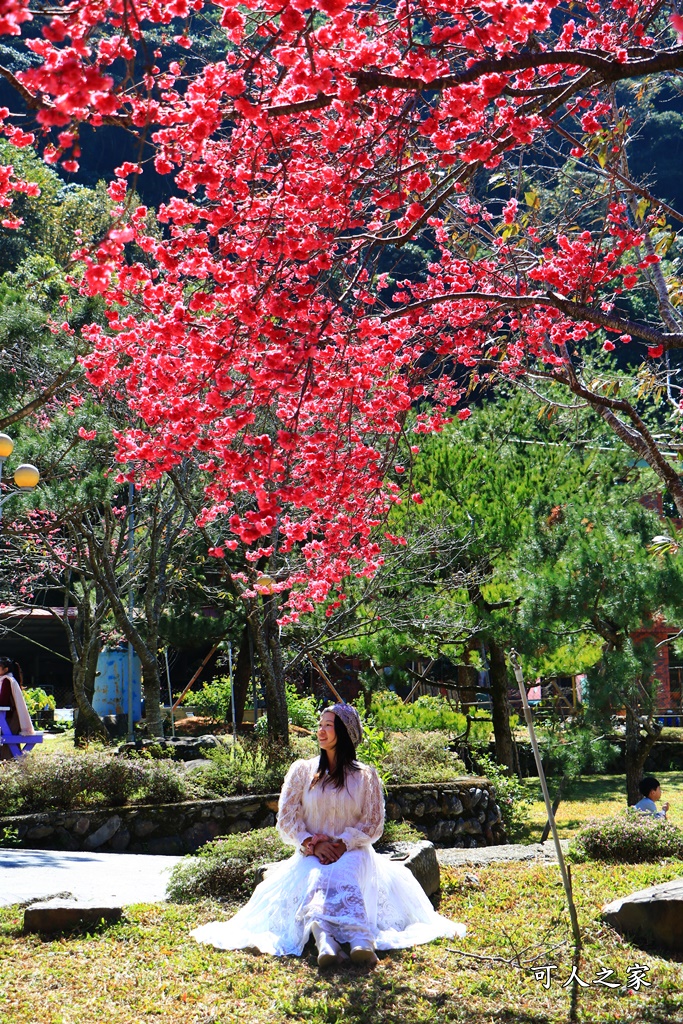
151,688
467,687
636,751
266,638
88,725
506,752
242,676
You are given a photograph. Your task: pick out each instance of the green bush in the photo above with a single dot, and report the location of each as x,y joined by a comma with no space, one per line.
426,713
302,711
420,757
65,781
629,838
213,701
400,832
249,766
37,700
511,797
225,867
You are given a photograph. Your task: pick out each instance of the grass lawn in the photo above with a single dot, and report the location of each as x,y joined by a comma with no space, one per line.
597,796
147,969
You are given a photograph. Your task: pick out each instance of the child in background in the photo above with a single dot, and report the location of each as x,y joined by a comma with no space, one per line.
652,791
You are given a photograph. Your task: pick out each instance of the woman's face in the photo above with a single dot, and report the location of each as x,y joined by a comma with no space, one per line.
327,737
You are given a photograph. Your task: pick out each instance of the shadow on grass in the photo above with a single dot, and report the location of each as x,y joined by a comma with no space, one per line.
369,997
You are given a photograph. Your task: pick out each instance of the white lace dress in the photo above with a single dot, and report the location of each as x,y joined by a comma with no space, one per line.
363,897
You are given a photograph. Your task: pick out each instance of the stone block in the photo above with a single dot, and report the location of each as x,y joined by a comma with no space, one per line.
62,915
241,825
40,832
198,834
80,826
121,841
166,846
454,804
104,833
64,840
424,866
653,916
144,828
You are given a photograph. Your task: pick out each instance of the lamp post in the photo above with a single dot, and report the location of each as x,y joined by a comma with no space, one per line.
26,476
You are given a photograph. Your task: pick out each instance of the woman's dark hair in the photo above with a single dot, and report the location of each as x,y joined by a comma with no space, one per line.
346,759
14,668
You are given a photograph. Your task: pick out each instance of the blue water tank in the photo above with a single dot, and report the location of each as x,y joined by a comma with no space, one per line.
111,684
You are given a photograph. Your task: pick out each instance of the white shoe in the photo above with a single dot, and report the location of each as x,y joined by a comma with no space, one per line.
329,950
364,955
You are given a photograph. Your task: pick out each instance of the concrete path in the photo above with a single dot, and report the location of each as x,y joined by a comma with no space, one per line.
537,853
29,875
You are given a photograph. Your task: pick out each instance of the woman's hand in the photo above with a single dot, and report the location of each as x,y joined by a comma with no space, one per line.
309,843
328,851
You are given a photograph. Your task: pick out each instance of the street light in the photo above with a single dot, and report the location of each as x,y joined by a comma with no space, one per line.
26,476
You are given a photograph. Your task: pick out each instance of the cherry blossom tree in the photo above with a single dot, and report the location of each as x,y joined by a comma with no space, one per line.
257,322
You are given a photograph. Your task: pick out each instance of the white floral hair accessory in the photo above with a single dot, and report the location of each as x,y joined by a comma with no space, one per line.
351,719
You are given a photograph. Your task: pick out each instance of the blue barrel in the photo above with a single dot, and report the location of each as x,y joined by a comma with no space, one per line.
111,684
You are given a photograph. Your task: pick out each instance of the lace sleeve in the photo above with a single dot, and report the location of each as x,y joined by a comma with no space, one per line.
367,831
290,822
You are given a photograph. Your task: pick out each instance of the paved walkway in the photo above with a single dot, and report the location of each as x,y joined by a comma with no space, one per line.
30,875
537,853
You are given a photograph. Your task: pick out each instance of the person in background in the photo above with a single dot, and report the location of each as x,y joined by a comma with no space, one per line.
11,696
652,791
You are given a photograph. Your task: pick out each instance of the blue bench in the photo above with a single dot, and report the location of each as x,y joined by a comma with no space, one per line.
18,745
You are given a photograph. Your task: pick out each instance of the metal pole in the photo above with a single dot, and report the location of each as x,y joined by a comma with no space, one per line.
170,695
517,668
2,463
131,600
232,696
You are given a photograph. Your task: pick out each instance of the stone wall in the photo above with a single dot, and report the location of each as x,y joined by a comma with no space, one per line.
460,813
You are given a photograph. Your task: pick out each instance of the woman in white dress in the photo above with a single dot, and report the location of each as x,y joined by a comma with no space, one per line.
335,887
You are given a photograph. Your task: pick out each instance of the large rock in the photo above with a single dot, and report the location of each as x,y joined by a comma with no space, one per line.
421,860
62,915
653,915
104,833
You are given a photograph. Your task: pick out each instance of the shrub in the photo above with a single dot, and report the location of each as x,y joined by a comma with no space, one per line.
400,832
249,766
37,700
213,701
225,867
628,838
420,757
302,711
64,781
511,796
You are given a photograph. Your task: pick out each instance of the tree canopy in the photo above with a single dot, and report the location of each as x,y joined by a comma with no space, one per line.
255,322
